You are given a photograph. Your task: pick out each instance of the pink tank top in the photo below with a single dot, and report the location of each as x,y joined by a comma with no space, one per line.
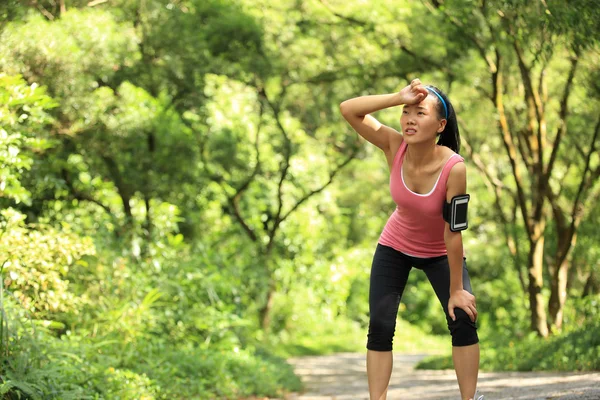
416,227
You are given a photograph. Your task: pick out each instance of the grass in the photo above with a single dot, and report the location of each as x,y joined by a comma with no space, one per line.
574,350
352,338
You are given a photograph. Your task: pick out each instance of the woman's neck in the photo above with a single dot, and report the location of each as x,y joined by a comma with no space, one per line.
421,154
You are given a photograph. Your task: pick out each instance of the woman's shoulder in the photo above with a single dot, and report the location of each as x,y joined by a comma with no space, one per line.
396,145
446,153
453,165
396,142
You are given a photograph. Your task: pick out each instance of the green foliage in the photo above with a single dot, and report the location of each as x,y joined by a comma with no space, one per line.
188,350
577,19
23,121
10,10
41,366
189,373
174,174
83,48
36,262
576,349
342,336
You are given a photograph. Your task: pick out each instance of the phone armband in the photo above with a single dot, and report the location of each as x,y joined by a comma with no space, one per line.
455,212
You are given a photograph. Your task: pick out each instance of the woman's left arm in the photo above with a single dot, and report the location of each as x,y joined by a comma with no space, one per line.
459,297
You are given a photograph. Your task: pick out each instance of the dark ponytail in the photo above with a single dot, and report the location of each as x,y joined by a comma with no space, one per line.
449,137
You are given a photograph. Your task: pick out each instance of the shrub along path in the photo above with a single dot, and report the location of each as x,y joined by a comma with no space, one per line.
343,377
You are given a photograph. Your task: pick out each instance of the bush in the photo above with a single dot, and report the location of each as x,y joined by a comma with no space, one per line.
576,349
35,264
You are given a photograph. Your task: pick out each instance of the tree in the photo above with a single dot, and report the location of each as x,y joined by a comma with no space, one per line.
24,116
533,51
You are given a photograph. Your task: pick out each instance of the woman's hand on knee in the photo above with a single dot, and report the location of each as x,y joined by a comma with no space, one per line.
463,300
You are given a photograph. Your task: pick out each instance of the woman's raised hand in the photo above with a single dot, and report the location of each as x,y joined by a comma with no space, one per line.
413,93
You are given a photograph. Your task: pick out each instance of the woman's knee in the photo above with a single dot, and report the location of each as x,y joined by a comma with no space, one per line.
463,330
381,334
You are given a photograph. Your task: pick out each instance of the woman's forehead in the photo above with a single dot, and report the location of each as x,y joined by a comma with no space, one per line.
427,103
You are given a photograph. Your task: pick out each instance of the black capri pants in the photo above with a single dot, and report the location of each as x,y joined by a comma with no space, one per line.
389,274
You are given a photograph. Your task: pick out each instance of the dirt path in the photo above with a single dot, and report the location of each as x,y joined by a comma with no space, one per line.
342,377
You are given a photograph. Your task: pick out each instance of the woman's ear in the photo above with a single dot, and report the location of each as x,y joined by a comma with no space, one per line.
442,126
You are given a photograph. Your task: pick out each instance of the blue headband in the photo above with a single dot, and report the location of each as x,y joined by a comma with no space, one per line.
441,99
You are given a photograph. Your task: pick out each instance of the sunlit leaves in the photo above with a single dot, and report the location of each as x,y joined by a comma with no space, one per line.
23,120
71,55
36,262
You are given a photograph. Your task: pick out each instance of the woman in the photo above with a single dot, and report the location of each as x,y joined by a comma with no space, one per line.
426,173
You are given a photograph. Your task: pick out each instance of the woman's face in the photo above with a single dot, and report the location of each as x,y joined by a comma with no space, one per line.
420,122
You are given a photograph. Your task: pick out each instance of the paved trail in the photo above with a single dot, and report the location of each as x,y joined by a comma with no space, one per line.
342,377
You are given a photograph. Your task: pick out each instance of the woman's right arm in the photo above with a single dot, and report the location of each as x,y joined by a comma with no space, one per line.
357,112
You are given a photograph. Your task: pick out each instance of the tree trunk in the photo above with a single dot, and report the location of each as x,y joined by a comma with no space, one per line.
538,312
513,247
558,296
560,279
591,285
122,187
265,311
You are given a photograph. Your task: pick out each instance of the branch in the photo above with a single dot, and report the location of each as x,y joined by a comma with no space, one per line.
526,75
577,211
41,9
579,149
96,2
510,147
561,184
232,200
343,74
286,162
256,170
371,27
352,20
428,61
120,184
496,186
235,199
557,210
278,219
492,182
562,128
378,72
205,164
313,192
536,115
485,92
79,195
531,97
524,150
515,236
524,145
238,216
486,19
148,215
543,89
481,48
566,231
491,179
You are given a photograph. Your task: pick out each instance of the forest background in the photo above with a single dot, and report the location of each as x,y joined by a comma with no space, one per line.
183,207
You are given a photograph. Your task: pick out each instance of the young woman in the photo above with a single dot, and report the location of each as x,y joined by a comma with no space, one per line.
428,180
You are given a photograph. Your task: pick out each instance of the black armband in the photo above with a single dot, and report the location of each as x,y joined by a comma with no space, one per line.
455,212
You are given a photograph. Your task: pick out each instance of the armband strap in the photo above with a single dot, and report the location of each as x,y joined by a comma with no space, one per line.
455,212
